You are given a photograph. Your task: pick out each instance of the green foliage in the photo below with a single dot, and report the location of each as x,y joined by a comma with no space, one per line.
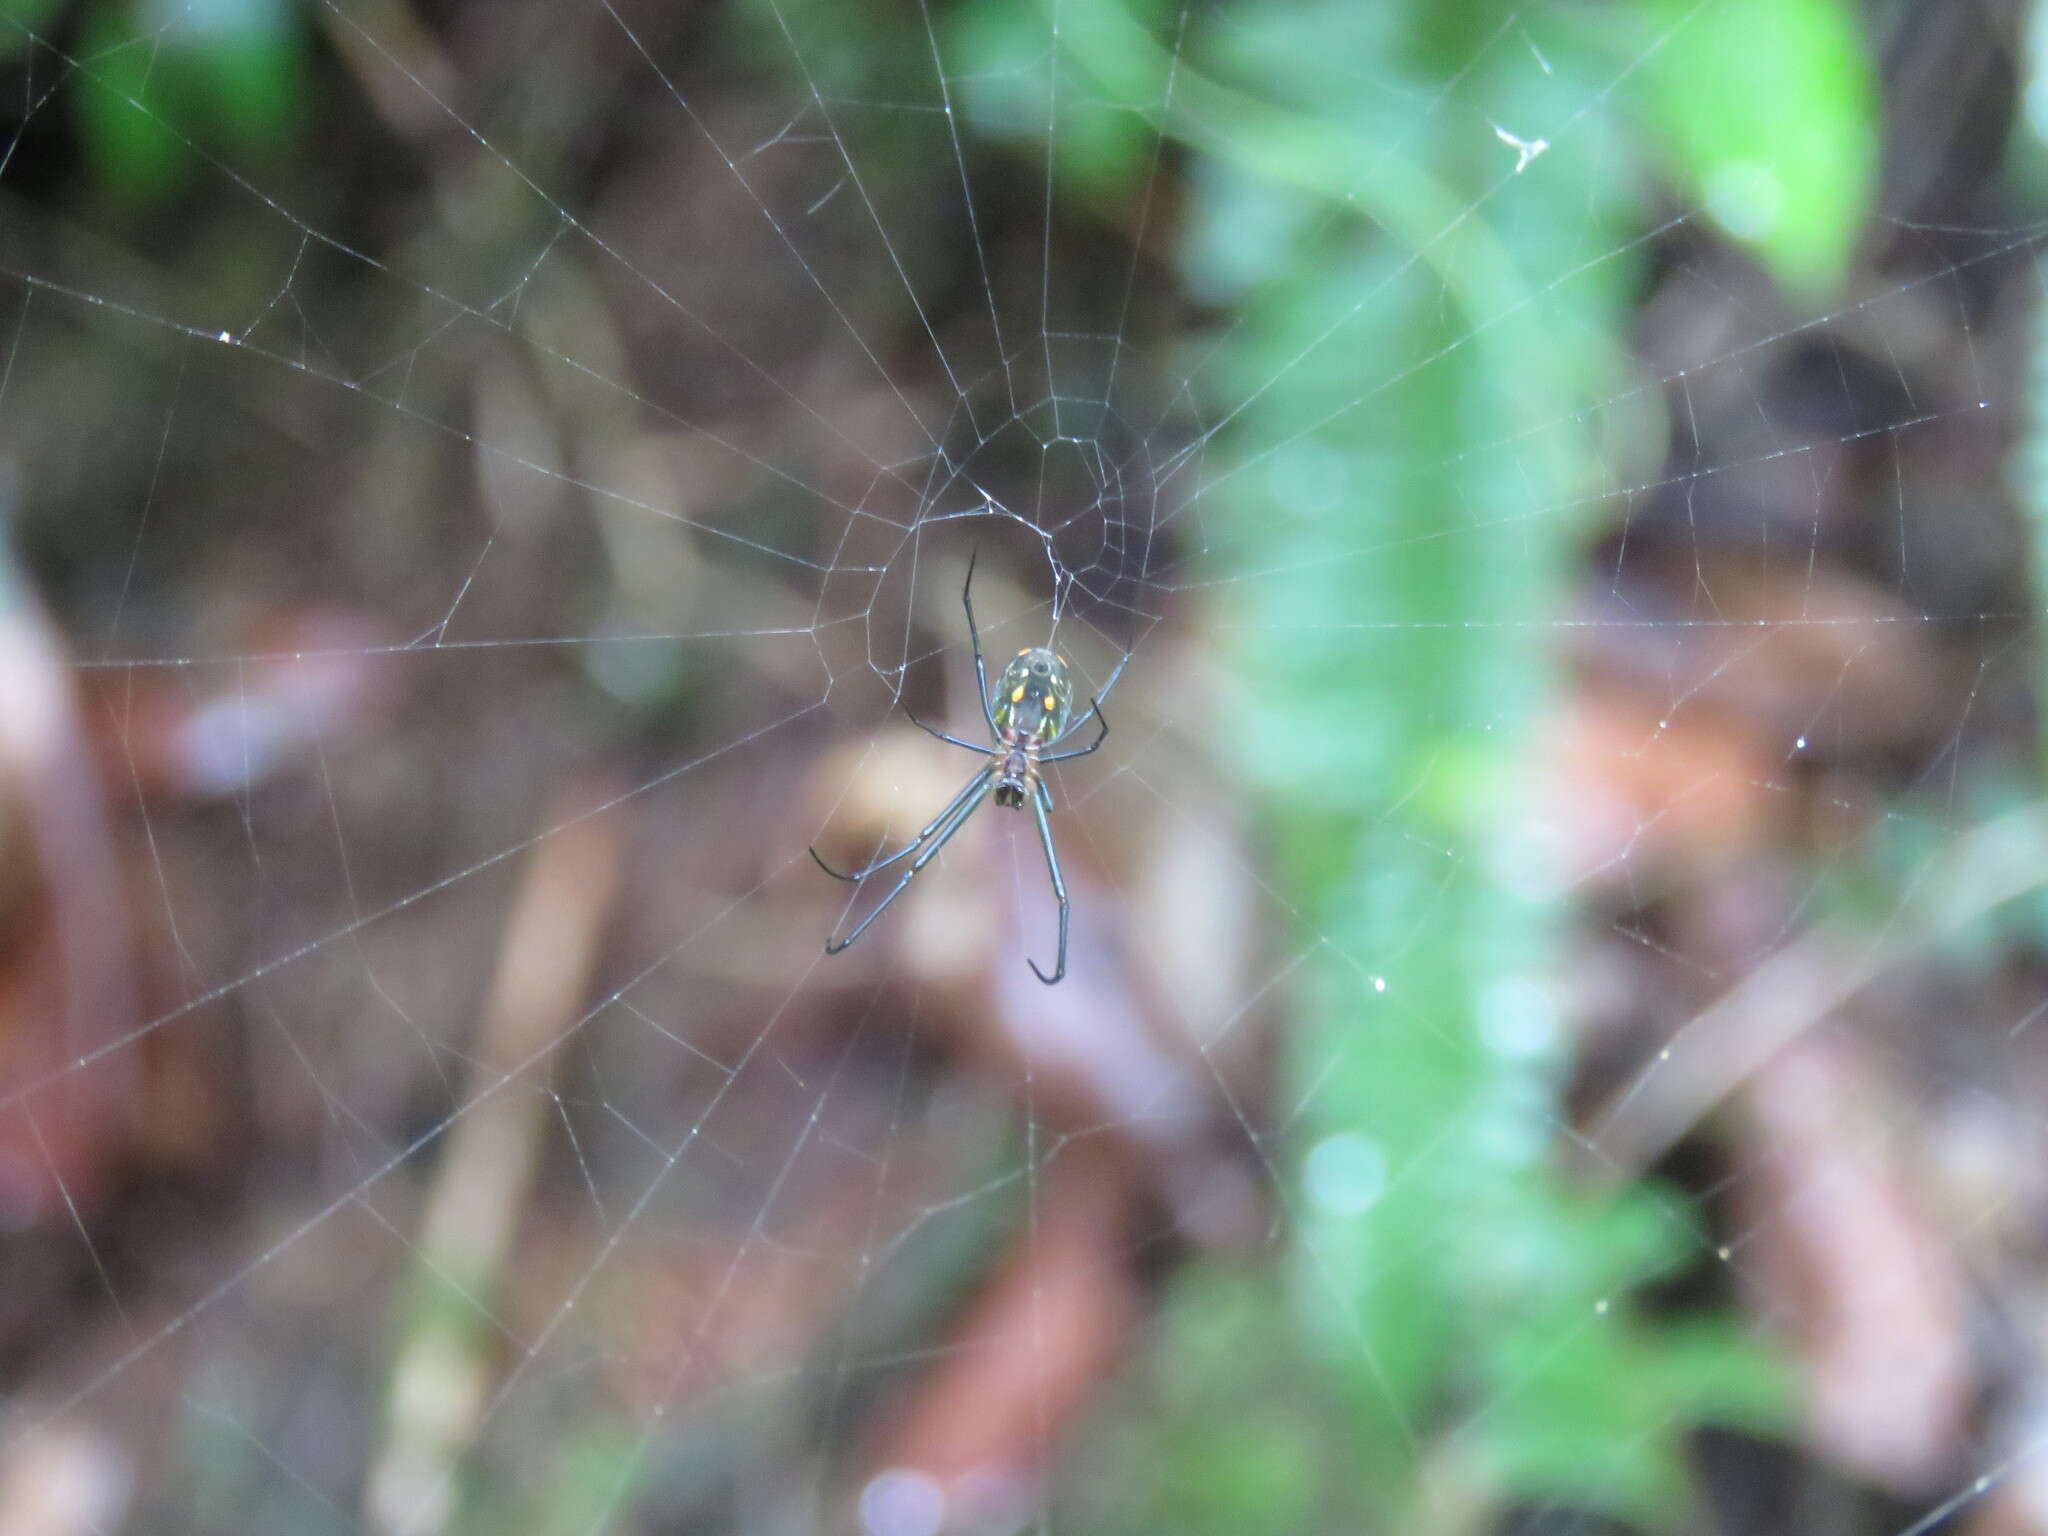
223,75
1221,1431
574,1485
23,20
1013,82
1768,108
1413,312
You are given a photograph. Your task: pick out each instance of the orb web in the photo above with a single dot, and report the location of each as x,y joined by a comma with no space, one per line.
1574,739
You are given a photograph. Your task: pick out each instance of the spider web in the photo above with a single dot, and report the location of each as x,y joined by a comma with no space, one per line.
426,1103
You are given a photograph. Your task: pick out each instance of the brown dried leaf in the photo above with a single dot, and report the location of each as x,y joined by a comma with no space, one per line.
1838,1251
1031,1352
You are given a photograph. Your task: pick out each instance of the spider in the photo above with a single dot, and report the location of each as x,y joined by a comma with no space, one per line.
1027,718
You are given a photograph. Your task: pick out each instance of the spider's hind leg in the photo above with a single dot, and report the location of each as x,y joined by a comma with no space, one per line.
1059,888
914,844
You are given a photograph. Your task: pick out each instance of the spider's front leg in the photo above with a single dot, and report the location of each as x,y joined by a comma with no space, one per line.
988,710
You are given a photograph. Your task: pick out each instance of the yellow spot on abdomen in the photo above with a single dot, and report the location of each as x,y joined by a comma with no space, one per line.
1048,703
1017,694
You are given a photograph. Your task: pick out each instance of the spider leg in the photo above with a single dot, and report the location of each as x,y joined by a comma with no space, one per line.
1115,672
1095,704
1095,709
988,712
954,819
957,741
910,847
1059,888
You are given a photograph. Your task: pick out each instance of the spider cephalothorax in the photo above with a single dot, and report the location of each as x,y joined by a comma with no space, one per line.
1029,712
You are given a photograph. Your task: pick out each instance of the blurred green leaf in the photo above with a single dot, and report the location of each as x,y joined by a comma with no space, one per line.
1220,1432
1408,444
222,74
1769,108
1584,1400
1010,86
20,20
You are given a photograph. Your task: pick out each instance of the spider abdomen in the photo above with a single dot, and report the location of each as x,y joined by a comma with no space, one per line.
1034,696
